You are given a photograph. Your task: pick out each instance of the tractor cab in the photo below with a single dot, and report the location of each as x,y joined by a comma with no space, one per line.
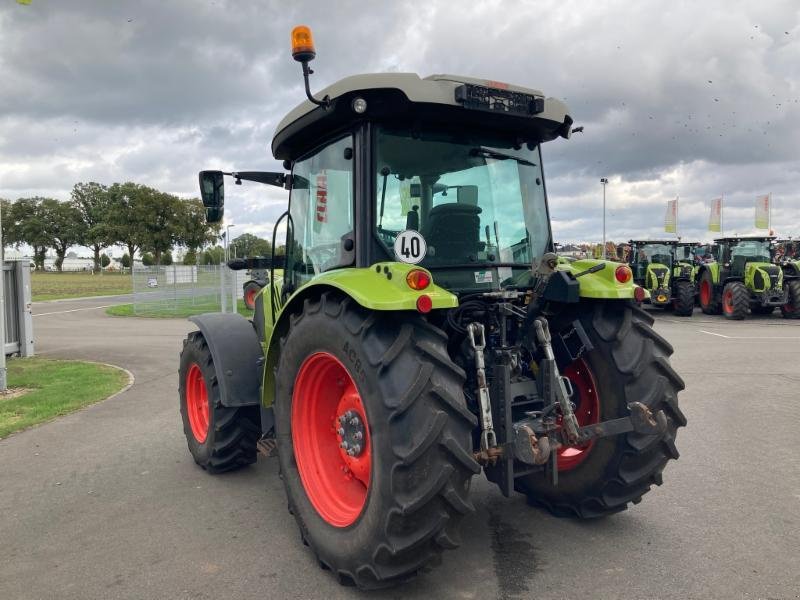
735,253
652,262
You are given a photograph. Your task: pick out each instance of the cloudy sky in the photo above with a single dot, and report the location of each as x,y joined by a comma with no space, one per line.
688,99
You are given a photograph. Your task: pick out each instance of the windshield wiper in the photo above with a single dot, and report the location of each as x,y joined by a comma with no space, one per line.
489,153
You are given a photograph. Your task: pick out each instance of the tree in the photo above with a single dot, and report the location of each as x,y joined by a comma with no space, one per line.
214,255
128,214
64,227
105,260
166,258
248,244
126,261
29,224
190,258
94,203
162,228
148,260
194,232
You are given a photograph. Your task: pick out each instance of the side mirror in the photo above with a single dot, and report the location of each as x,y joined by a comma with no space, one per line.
212,190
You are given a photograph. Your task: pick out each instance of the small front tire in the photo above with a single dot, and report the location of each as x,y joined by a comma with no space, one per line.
220,438
791,310
683,299
735,301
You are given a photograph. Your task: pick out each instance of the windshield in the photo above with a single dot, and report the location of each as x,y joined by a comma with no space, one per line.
658,253
684,253
474,202
752,250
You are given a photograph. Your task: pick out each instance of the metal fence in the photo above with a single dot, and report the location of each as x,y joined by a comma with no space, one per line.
19,323
183,289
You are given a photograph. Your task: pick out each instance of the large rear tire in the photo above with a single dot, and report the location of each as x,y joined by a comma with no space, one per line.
630,362
791,310
709,304
683,299
220,438
391,378
735,301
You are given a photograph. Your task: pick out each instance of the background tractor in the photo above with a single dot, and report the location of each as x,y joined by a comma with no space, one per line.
424,330
665,268
742,276
787,255
257,278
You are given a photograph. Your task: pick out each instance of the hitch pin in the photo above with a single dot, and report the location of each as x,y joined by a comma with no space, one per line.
477,338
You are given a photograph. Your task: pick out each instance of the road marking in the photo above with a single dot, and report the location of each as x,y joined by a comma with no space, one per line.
749,337
712,333
61,312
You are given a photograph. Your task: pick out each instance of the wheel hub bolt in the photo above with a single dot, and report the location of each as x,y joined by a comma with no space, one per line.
351,432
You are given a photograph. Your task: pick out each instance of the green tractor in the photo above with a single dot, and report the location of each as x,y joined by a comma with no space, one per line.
787,255
665,268
424,331
743,277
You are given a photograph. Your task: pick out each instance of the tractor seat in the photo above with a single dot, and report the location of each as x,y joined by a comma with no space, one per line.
453,231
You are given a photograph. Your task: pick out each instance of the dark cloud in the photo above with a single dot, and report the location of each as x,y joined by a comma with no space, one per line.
680,99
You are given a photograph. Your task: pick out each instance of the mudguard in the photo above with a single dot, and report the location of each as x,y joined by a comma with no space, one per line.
237,355
602,283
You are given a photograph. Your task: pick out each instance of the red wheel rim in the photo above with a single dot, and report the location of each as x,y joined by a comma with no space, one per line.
250,297
705,292
197,403
335,482
587,411
727,301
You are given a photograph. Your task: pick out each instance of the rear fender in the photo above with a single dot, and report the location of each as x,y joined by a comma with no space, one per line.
381,287
601,284
238,359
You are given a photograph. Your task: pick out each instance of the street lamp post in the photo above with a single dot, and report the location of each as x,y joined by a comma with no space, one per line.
604,181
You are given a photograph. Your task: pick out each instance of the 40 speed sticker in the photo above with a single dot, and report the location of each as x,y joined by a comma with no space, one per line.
410,246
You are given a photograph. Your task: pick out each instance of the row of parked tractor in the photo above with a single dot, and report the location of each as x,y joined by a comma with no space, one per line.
733,276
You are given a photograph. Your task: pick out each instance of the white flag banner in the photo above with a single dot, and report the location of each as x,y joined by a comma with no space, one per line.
671,216
762,212
715,217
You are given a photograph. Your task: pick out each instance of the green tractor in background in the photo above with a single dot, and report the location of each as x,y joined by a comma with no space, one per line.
666,269
787,255
743,277
424,330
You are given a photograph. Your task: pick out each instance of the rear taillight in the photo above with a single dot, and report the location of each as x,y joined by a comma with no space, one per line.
639,294
623,274
417,279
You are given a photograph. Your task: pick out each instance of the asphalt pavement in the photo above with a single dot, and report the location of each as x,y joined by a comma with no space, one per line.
107,503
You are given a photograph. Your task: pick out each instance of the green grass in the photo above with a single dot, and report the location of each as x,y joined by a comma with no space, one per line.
55,286
56,387
180,312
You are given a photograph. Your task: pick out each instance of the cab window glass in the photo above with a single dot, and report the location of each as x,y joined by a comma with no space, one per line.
321,210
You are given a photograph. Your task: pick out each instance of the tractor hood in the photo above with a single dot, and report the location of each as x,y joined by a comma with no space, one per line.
438,99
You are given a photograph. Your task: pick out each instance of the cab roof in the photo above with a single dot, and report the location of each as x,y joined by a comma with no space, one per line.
739,238
407,97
